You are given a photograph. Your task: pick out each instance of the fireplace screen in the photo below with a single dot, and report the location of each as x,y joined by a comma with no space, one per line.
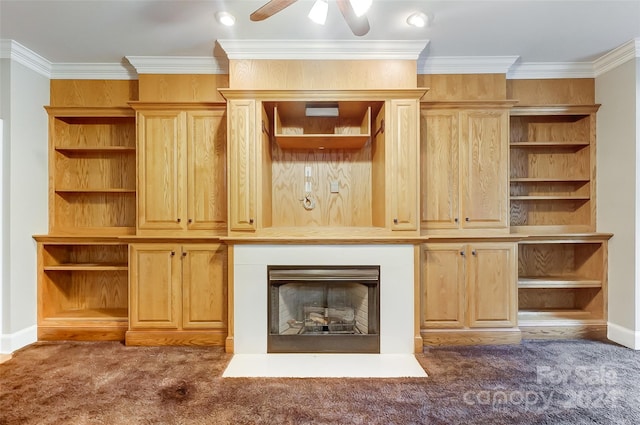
324,309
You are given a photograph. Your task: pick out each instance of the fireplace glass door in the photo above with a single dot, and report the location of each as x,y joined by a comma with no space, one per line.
328,309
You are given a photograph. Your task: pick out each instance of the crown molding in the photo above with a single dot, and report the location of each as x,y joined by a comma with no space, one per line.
323,49
546,70
10,49
616,57
466,64
93,71
178,64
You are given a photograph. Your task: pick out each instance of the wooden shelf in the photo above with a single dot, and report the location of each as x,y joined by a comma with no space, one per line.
550,198
553,314
120,314
549,144
89,191
548,282
95,149
87,267
548,180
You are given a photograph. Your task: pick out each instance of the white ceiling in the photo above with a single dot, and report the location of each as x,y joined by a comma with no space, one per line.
106,31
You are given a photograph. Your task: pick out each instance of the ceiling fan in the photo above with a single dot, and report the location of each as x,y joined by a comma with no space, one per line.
357,21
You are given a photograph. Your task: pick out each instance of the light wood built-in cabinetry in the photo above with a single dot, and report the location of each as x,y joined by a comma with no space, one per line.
295,174
177,287
464,167
82,263
181,169
469,293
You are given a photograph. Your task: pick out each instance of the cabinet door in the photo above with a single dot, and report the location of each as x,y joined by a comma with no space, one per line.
242,165
491,284
154,286
206,170
443,286
160,170
439,178
485,173
403,163
204,286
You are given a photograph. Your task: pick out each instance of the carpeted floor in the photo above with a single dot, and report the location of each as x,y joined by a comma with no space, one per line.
537,382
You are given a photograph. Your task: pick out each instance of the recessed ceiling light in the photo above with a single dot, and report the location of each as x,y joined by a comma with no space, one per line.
318,12
226,18
360,7
418,19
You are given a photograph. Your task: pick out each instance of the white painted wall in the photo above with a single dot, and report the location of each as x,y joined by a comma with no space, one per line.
24,202
618,194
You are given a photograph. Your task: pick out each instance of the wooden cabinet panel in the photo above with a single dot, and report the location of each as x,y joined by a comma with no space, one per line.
469,285
492,282
206,170
204,270
443,292
440,179
403,165
485,159
160,176
464,168
154,286
242,165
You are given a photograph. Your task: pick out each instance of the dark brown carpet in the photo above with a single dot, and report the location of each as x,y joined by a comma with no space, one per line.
560,382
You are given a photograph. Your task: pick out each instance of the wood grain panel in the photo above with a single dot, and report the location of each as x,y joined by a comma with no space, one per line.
265,210
155,286
321,74
351,170
206,170
452,87
485,159
102,213
491,285
204,286
95,171
86,93
443,286
440,172
567,91
559,215
378,172
182,87
93,132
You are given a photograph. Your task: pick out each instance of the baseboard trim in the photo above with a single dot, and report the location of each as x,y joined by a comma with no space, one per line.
12,342
623,336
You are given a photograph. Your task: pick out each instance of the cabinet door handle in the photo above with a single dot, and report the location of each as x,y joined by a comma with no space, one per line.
178,220
190,221
467,219
250,221
462,253
395,221
173,253
473,252
455,220
184,254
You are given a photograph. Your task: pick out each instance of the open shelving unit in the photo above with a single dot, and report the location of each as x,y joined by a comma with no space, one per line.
552,177
562,286
83,292
92,162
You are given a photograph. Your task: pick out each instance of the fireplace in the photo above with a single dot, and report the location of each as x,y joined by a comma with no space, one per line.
323,309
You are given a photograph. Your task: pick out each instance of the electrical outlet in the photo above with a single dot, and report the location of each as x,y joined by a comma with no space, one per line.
307,171
307,187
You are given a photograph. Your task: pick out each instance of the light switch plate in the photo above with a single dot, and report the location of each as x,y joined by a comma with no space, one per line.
334,187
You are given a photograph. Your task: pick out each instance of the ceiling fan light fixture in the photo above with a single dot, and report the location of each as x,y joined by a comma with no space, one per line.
418,20
360,7
226,19
318,12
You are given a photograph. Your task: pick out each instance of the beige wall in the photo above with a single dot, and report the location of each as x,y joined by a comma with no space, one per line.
618,196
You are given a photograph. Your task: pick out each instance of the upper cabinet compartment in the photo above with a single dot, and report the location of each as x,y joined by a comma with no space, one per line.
322,125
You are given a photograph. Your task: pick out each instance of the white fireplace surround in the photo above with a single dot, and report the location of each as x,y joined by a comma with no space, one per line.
396,288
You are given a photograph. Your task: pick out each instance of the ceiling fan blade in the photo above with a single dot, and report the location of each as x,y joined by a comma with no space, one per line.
270,9
359,24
